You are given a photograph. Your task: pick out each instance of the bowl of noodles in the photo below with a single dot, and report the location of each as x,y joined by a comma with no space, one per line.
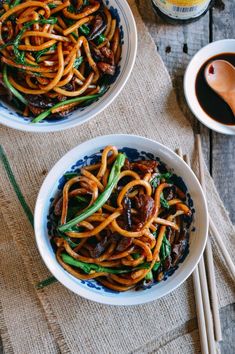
121,220
63,61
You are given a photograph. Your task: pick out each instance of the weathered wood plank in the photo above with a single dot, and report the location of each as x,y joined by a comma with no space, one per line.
227,315
177,44
223,154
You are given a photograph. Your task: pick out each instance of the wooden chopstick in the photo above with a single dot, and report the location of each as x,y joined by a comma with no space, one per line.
209,255
213,229
205,297
198,298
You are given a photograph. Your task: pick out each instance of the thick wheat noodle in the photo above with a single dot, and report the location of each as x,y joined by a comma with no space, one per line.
109,20
183,207
149,238
59,74
78,92
78,74
166,223
66,194
174,201
22,7
112,30
131,234
37,48
132,262
156,251
95,179
104,160
97,229
118,54
60,7
91,62
105,177
123,254
158,193
77,25
45,35
25,89
70,65
30,57
145,248
66,80
43,81
88,10
71,105
29,82
115,41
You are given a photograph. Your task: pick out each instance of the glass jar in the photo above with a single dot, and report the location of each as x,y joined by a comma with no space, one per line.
181,11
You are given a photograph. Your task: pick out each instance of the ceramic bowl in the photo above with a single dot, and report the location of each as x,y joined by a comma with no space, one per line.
207,52
135,147
122,12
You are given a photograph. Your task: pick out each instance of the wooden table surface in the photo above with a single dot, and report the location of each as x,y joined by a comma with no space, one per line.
176,45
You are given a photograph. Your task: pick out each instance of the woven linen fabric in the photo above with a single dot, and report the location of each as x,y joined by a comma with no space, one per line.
53,319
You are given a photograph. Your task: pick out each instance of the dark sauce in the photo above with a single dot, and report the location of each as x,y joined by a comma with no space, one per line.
210,102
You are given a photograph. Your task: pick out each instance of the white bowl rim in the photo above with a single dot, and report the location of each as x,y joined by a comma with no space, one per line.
197,110
69,281
40,128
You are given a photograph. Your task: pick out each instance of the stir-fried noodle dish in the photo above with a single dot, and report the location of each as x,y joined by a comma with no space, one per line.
56,54
124,223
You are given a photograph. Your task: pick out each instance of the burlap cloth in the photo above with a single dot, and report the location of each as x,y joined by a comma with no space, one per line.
54,319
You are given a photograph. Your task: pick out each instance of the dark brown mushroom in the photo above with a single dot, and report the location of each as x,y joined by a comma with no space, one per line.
179,248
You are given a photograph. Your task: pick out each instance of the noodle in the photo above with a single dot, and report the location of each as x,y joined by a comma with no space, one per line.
74,44
122,236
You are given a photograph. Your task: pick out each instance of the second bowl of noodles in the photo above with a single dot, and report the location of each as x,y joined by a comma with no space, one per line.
121,220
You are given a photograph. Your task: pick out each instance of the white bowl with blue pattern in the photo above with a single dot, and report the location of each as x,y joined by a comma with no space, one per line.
135,147
122,12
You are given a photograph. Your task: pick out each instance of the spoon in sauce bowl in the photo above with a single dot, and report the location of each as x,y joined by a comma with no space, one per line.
220,76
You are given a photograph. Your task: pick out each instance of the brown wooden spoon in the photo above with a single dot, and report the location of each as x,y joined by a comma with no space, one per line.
220,76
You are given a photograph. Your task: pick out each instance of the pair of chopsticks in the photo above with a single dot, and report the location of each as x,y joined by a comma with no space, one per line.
208,321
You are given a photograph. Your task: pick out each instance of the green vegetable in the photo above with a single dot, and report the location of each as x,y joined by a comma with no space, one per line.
11,88
155,181
81,199
91,267
135,255
52,6
149,276
15,3
46,282
100,39
20,55
67,238
164,202
84,29
101,200
85,2
45,114
156,266
38,54
69,175
78,62
165,250
71,9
